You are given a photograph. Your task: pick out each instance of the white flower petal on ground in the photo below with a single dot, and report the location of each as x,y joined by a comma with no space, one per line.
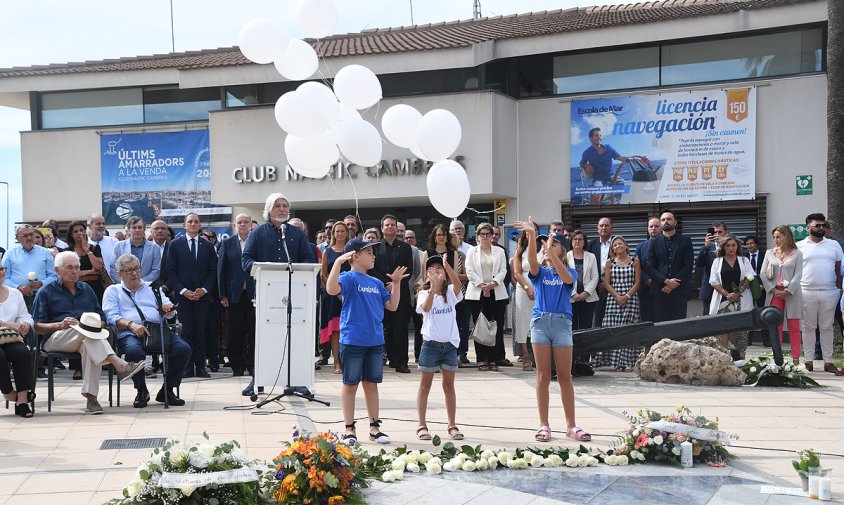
468,466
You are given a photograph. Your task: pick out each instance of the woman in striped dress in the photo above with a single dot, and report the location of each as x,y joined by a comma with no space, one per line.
622,275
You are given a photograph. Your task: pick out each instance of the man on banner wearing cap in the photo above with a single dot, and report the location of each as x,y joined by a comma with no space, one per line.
69,310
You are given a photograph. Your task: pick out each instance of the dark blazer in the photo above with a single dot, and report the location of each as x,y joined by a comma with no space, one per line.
760,257
162,274
230,273
703,263
264,245
681,268
186,272
385,264
595,248
642,254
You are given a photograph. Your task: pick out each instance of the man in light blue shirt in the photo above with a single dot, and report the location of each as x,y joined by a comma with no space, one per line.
25,259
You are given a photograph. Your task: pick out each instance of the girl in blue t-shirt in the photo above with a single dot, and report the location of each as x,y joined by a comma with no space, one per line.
436,302
550,327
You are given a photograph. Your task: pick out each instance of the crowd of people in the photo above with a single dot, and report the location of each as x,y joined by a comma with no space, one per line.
378,284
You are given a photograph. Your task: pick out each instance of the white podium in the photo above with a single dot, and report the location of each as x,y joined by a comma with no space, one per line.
271,357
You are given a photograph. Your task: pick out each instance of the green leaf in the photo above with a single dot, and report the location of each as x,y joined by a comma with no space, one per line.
436,440
204,434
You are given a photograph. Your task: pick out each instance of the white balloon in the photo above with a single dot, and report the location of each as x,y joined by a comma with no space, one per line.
297,62
261,40
438,134
359,142
299,114
324,98
347,115
448,188
311,156
357,86
414,148
317,18
399,124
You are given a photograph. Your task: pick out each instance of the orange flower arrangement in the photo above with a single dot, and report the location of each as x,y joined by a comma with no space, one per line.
319,469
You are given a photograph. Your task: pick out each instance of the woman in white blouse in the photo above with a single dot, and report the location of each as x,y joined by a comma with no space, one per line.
486,267
13,315
729,280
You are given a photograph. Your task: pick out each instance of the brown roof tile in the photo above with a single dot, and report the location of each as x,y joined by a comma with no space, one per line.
444,35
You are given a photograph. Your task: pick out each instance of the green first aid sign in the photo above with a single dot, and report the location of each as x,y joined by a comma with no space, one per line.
803,185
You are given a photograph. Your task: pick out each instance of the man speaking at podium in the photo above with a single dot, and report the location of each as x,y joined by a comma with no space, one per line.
265,243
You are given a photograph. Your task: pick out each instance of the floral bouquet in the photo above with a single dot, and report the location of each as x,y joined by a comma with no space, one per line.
318,469
762,371
197,474
642,441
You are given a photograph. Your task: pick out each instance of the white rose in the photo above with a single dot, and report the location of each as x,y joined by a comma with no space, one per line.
493,462
658,440
774,368
785,284
558,461
426,457
622,460
536,461
592,461
487,454
468,466
583,460
522,463
414,454
640,457
611,460
187,491
198,460
435,460
206,450
462,457
134,488
401,459
31,276
397,465
676,451
634,454
239,455
450,466
750,277
548,463
753,369
412,468
482,464
177,455
528,455
788,367
636,433
571,462
504,457
387,476
433,469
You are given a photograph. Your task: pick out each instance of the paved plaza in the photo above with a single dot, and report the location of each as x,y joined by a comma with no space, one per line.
57,455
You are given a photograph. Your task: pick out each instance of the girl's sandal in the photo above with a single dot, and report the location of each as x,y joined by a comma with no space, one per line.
543,434
454,432
351,438
578,434
422,433
379,437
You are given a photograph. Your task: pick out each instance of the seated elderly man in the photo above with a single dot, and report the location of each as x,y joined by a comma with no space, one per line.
127,306
69,310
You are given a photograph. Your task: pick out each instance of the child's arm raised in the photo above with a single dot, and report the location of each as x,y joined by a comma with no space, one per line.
332,285
530,230
395,294
558,265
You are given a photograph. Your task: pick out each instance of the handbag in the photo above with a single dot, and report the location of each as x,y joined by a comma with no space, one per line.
756,288
154,340
484,331
9,335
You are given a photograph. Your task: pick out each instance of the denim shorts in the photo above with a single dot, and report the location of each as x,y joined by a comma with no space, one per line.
435,355
550,328
362,364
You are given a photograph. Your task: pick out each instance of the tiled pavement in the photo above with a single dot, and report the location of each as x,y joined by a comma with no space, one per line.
57,456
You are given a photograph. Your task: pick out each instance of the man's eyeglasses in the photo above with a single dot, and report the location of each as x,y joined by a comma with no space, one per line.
135,270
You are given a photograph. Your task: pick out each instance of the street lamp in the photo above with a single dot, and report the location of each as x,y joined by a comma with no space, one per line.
7,213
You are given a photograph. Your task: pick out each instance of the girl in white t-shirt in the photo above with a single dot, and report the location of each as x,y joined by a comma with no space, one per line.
436,303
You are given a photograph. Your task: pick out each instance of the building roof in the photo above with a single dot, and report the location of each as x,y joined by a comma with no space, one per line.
434,36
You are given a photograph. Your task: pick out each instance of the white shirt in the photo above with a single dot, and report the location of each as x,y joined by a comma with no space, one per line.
106,248
440,324
464,248
13,310
819,263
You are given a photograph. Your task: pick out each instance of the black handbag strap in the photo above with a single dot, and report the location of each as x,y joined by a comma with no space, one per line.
140,312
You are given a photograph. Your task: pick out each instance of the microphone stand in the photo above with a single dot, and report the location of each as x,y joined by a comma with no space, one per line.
165,339
289,390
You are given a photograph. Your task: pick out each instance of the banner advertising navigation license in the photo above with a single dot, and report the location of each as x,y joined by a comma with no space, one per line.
161,175
670,147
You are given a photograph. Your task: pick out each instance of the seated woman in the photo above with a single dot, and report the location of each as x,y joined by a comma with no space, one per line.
15,322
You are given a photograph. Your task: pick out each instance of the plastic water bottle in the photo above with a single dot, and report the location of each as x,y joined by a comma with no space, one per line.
686,455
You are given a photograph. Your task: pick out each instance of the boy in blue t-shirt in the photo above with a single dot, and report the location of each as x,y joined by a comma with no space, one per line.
361,331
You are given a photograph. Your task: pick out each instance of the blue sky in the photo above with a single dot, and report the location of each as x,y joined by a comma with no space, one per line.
37,32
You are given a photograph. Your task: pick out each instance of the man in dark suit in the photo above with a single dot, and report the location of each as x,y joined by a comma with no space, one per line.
756,258
236,293
704,260
600,247
192,272
646,304
670,261
394,253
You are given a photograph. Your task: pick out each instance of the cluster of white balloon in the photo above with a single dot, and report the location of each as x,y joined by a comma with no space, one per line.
321,123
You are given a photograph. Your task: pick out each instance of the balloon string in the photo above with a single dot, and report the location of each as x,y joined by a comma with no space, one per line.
476,211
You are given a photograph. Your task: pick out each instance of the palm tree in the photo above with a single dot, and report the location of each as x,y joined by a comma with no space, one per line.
835,112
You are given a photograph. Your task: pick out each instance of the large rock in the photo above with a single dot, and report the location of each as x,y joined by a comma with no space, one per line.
701,362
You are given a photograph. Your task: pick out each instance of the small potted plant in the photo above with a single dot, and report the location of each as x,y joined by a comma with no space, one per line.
807,458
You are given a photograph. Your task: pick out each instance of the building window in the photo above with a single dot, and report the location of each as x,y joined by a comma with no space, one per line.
429,82
92,108
768,55
164,104
239,96
601,71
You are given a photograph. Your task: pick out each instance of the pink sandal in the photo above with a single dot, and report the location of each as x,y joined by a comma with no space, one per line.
578,434
543,434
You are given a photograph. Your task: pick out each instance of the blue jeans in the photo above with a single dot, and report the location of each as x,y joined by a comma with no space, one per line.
435,355
362,364
177,358
551,328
